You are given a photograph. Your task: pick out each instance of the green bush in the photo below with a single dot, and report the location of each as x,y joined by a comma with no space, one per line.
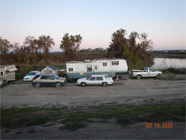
175,70
23,70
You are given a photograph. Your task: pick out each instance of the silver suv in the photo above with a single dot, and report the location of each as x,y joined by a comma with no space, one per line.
48,80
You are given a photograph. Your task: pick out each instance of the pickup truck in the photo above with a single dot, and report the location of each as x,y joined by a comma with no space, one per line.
146,72
95,80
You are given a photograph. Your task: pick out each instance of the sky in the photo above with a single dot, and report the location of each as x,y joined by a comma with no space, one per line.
95,20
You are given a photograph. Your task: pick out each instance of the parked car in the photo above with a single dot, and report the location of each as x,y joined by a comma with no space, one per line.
3,82
95,80
47,80
146,72
31,75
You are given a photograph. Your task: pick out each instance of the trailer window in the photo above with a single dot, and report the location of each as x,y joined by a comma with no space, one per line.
70,69
7,71
96,67
115,62
89,68
104,64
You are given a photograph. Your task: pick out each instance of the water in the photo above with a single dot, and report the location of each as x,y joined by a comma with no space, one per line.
162,63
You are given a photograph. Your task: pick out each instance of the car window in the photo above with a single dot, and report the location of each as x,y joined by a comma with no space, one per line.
44,77
151,70
31,73
92,79
50,78
99,78
1,73
55,76
36,76
47,77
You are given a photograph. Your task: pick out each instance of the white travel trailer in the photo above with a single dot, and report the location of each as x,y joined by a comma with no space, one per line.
108,67
8,72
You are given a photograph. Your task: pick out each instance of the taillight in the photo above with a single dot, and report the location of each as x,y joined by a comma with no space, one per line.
33,79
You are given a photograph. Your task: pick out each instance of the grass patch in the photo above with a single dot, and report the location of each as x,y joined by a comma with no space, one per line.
75,118
21,117
73,126
32,131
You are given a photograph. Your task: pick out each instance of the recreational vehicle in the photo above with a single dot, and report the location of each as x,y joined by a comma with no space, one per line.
8,72
107,67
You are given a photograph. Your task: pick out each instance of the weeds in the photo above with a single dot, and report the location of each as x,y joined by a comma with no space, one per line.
73,119
174,70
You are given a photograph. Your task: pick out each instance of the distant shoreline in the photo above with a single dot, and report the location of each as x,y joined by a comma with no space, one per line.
181,56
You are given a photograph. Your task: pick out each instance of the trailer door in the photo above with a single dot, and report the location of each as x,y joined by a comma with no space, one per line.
96,68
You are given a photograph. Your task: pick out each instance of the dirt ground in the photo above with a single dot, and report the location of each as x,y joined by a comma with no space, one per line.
129,92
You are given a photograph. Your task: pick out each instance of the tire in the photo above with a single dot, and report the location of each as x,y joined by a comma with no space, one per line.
37,85
159,76
58,85
83,84
104,84
138,77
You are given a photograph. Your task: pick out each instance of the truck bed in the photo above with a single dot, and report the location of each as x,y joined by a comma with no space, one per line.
137,70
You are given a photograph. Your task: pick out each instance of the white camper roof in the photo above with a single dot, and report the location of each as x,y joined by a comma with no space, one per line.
95,60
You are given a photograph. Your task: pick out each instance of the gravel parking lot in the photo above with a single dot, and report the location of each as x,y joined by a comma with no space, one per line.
129,92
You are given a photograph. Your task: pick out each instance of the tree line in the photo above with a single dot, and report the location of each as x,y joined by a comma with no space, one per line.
36,50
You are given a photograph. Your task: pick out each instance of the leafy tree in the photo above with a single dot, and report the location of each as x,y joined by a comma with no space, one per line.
5,46
134,49
45,43
70,45
30,41
117,45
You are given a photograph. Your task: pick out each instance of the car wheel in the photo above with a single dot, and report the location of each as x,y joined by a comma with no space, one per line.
58,85
159,76
37,85
138,77
104,84
83,84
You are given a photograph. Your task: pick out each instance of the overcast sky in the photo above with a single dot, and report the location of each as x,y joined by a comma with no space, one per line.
95,20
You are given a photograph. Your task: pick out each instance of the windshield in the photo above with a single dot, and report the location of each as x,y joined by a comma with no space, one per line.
31,73
55,76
